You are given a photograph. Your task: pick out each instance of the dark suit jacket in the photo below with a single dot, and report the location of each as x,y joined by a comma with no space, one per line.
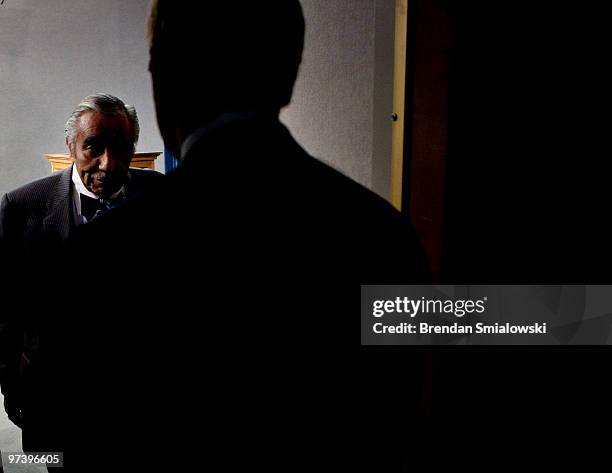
41,212
35,222
248,197
262,249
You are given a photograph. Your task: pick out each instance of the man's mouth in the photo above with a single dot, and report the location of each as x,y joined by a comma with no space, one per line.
101,179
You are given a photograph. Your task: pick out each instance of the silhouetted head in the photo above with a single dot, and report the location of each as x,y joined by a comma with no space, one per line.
216,56
101,135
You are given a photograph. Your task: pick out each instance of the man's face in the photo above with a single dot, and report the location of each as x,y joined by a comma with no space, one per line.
102,151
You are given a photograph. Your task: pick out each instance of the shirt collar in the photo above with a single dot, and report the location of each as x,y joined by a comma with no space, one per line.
224,118
79,186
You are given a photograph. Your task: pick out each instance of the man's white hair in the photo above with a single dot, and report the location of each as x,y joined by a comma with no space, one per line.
106,104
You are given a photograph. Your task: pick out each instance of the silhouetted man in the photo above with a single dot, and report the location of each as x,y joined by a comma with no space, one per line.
247,196
267,247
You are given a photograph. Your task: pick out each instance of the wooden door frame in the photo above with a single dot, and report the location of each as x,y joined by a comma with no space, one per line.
420,132
399,102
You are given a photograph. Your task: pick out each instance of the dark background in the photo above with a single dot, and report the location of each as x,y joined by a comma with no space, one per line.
528,186
521,195
509,162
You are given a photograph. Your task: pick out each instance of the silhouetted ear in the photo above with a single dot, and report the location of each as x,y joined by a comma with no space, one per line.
68,145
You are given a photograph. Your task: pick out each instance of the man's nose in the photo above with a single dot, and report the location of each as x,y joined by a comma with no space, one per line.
107,161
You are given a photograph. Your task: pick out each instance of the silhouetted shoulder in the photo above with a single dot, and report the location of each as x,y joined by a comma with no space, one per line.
145,174
247,196
144,179
347,192
377,234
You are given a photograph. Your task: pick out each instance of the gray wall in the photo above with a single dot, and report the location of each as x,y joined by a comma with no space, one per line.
52,54
342,101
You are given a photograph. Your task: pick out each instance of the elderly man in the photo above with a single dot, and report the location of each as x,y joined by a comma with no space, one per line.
101,135
36,220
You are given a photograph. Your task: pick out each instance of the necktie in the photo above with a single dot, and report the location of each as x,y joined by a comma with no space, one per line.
92,208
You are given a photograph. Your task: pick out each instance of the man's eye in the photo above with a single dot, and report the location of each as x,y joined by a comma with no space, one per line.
93,148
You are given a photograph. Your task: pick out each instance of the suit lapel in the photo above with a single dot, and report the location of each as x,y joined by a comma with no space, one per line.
58,221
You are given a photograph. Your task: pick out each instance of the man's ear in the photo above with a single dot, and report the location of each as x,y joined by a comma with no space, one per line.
68,146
